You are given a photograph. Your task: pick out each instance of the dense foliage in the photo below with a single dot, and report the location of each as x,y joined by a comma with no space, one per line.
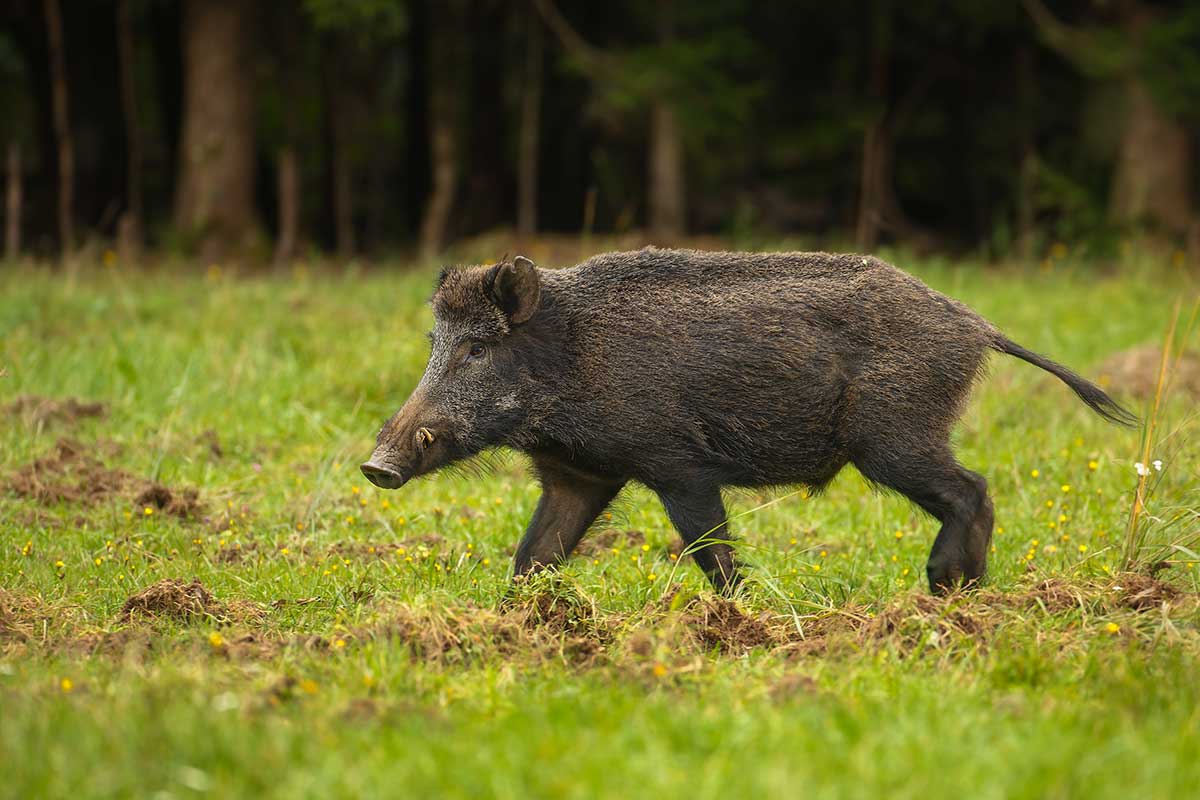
374,123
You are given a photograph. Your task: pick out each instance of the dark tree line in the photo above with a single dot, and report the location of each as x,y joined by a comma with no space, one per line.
268,127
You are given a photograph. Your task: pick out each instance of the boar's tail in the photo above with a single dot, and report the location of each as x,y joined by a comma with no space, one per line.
1088,392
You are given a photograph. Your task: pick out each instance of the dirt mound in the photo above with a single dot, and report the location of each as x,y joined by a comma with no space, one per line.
1135,372
48,410
174,599
70,473
1053,594
184,504
559,612
1143,593
921,619
719,624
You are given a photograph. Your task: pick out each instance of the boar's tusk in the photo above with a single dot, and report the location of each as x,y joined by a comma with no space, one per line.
424,437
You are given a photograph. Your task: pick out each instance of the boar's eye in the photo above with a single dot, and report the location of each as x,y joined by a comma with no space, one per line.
477,350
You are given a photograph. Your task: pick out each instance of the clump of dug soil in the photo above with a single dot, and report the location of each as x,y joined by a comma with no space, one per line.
1143,593
71,473
48,410
1135,372
183,504
185,602
719,624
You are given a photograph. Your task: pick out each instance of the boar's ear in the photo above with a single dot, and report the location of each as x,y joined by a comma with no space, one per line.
514,287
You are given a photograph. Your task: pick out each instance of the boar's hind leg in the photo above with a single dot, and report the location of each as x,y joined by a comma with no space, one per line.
567,507
951,493
699,516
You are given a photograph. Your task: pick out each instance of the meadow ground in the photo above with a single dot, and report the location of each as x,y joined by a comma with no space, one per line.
200,594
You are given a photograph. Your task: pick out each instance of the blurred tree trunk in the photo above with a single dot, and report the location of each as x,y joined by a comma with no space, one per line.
879,209
289,204
483,195
665,167
12,203
62,128
291,71
1027,169
875,172
1152,176
444,30
215,193
531,121
666,171
668,212
342,166
1154,165
129,225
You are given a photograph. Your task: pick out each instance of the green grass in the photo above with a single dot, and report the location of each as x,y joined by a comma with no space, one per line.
403,673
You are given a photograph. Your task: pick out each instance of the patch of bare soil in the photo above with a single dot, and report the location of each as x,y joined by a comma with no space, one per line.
1053,594
720,624
48,410
68,474
71,473
1135,372
919,620
179,503
1143,593
185,602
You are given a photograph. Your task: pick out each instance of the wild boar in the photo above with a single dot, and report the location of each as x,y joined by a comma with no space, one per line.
693,371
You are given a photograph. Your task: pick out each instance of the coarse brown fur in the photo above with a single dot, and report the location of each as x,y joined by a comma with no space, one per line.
692,371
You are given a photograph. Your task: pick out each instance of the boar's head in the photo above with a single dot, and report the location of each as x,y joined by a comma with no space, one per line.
470,395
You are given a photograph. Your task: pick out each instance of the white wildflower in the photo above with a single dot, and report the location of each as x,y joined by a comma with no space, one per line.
1141,469
1157,465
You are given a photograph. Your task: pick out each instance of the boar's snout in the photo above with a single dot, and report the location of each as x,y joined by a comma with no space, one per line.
382,475
414,442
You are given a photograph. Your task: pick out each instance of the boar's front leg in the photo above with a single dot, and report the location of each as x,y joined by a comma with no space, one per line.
569,504
699,516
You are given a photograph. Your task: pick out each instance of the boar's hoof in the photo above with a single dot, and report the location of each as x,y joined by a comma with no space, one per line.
947,578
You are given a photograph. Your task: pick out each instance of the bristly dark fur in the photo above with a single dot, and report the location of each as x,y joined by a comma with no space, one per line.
693,371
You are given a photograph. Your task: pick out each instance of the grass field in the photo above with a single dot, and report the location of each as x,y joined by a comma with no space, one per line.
344,641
